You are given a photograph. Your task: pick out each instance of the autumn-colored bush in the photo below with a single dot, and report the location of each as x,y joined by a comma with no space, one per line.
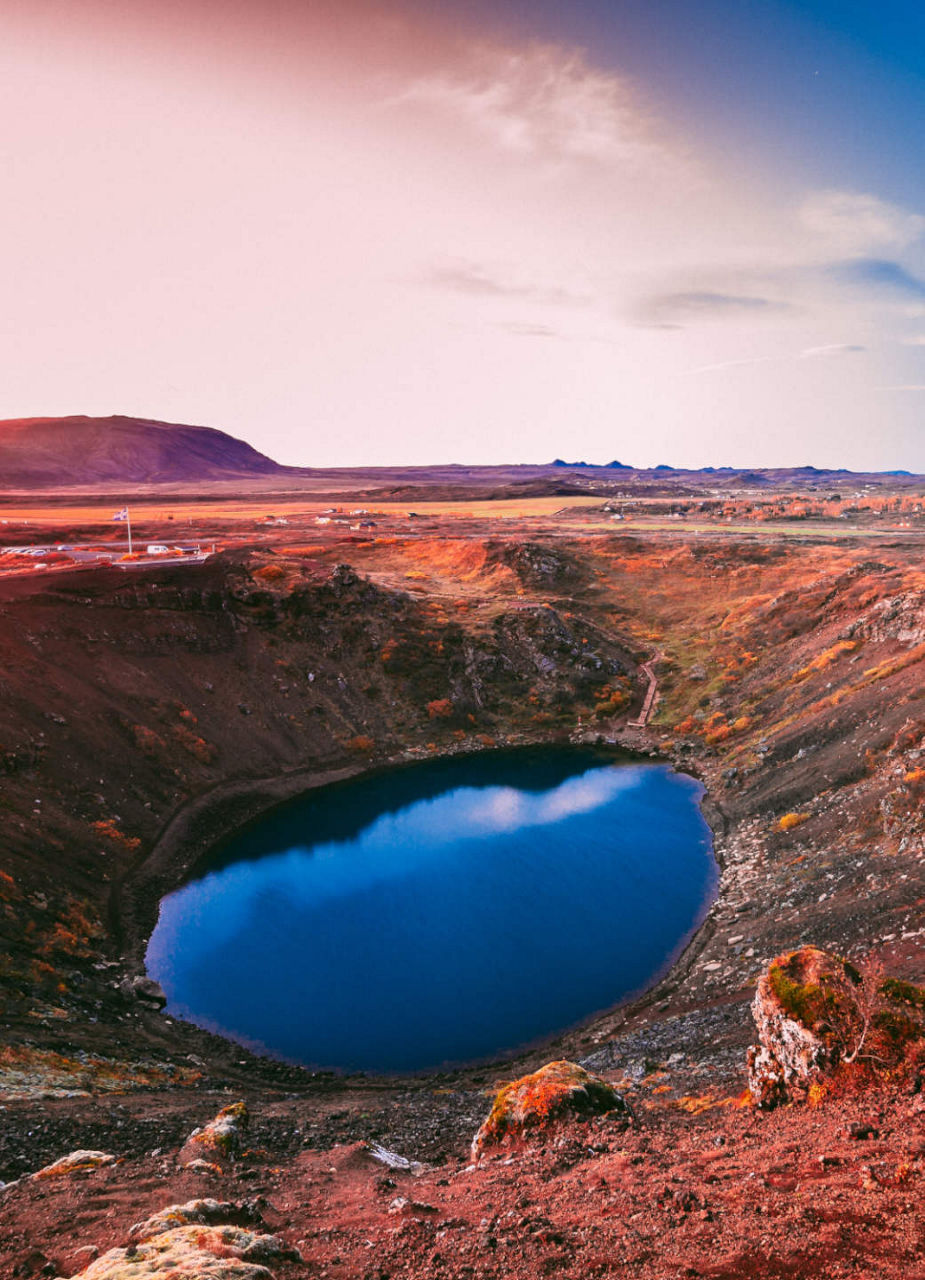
192,743
109,829
440,709
270,573
147,740
612,700
74,932
826,658
361,743
791,820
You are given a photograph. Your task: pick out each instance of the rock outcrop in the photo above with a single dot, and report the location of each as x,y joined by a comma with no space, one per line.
219,1142
795,1048
193,1252
198,1240
78,1162
815,1011
557,1091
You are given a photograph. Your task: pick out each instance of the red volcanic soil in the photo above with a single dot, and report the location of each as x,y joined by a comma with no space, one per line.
791,681
721,1193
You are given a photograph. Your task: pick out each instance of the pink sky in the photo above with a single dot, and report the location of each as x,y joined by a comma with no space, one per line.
365,237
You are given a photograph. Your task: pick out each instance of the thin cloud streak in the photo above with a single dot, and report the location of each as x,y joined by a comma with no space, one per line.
832,349
470,278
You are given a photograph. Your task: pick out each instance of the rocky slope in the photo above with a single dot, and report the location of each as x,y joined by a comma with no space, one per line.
142,715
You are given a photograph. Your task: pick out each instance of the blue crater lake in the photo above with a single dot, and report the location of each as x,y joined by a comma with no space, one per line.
441,913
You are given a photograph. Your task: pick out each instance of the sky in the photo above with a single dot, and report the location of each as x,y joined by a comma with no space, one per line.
377,232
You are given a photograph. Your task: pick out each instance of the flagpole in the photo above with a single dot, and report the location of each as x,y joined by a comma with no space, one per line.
128,523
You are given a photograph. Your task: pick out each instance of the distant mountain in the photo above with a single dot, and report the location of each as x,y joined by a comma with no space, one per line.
604,466
42,453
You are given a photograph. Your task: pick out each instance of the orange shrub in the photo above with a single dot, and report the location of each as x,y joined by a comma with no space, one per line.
270,573
146,739
197,747
440,709
107,828
791,820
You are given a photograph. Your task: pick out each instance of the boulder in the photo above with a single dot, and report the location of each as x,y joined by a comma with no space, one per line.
558,1091
75,1164
220,1140
798,1002
193,1252
205,1212
816,1012
144,989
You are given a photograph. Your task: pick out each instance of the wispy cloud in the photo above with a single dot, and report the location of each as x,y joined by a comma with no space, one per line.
530,330
543,101
808,353
731,364
831,349
905,386
677,310
854,222
878,275
460,276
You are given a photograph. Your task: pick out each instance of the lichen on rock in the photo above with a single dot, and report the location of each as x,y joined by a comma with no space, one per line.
205,1211
193,1252
557,1091
78,1162
790,1010
814,1012
220,1140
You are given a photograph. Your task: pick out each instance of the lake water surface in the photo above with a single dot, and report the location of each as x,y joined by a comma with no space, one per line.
440,913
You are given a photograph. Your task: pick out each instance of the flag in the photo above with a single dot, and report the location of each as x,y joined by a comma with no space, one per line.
121,515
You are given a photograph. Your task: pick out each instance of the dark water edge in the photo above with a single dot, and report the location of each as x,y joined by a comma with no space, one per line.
442,913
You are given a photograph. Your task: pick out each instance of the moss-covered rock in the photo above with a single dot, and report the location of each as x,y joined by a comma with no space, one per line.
557,1091
198,1240
815,1011
192,1252
206,1211
220,1140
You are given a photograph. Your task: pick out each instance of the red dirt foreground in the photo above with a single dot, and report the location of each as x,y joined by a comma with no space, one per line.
572,1180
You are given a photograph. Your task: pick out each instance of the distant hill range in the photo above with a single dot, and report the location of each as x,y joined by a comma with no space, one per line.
43,453
119,454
